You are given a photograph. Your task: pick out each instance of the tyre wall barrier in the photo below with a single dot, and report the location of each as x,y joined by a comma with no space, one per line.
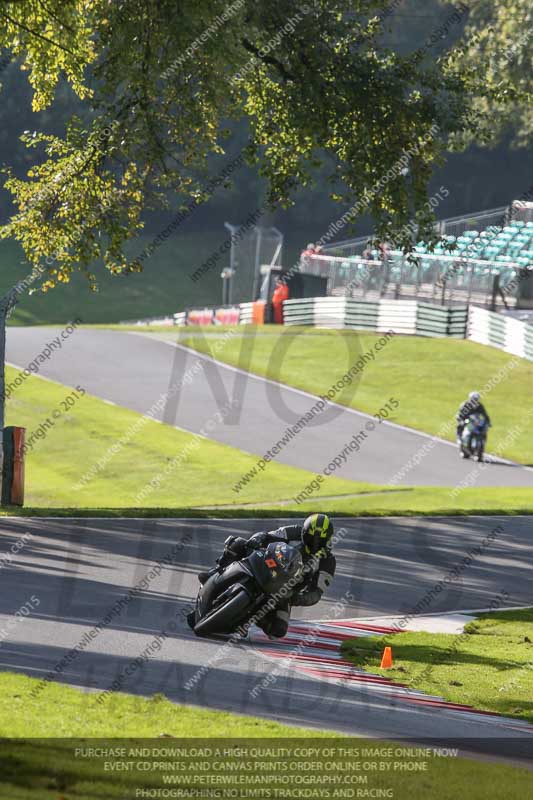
408,317
505,333
412,317
401,316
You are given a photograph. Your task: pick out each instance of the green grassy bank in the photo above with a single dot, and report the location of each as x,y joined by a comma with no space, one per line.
489,666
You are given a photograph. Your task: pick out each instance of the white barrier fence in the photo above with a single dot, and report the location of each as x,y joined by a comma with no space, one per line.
505,333
412,317
409,317
401,316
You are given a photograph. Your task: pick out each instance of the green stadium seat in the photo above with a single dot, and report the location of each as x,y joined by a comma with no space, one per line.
498,247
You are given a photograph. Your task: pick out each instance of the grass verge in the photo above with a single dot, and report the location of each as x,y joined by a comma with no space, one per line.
44,768
428,377
488,666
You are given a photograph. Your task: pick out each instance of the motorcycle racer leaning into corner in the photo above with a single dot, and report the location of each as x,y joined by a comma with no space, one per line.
315,537
471,406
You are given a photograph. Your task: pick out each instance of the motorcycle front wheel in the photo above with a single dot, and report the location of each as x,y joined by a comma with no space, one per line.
225,618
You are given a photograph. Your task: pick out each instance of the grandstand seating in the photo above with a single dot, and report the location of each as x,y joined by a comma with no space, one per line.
512,243
500,250
462,268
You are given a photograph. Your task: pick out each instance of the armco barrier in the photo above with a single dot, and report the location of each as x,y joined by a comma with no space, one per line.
224,315
247,312
328,310
252,313
528,342
411,317
227,316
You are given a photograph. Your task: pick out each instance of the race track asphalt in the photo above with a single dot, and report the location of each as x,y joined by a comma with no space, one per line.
135,370
78,569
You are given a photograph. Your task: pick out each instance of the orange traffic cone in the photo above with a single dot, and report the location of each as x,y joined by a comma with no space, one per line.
386,659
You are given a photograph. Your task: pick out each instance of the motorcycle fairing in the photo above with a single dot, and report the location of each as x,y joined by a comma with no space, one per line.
219,583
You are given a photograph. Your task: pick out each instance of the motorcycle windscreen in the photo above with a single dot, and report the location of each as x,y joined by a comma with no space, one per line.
219,583
271,579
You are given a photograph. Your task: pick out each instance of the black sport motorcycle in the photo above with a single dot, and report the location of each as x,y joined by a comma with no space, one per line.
240,594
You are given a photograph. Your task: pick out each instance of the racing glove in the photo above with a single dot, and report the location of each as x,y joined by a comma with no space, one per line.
257,540
234,549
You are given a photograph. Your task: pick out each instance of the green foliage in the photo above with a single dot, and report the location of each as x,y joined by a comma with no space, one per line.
498,49
315,81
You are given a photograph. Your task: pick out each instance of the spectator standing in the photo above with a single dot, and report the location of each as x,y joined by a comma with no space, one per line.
368,253
307,254
281,293
384,251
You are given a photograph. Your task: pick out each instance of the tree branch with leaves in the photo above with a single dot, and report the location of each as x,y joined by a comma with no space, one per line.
159,80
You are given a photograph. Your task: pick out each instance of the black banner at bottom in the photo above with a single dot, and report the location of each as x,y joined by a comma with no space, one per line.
291,768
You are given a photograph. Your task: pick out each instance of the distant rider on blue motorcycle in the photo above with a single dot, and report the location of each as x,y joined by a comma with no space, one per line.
315,536
471,406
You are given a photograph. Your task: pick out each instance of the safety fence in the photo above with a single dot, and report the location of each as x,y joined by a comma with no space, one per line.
401,316
505,333
440,279
409,317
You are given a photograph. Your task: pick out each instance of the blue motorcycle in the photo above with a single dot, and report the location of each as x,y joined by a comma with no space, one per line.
474,437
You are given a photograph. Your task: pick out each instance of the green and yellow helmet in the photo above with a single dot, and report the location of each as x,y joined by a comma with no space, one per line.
317,531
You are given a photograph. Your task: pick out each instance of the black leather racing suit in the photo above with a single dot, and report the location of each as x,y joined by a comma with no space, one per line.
319,571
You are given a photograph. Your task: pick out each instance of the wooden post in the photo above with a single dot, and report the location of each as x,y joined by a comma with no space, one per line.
6,303
17,485
3,315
